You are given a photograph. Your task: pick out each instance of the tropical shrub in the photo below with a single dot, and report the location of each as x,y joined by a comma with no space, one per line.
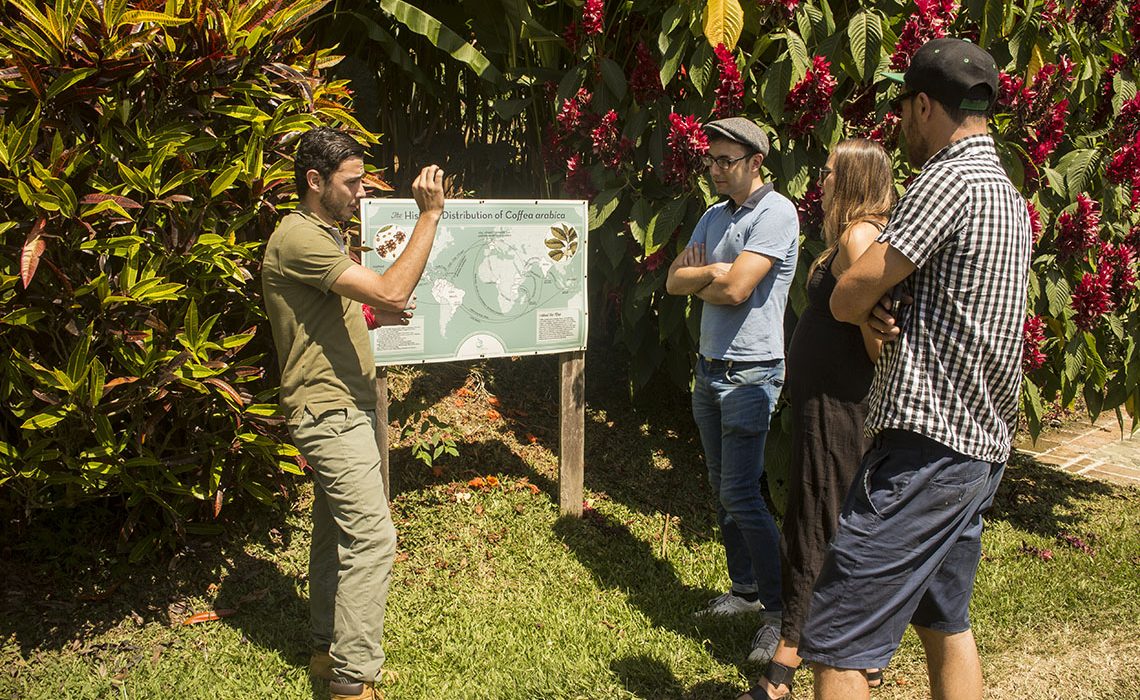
143,161
619,97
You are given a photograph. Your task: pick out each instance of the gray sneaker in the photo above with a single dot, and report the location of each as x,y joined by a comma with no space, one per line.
766,640
730,604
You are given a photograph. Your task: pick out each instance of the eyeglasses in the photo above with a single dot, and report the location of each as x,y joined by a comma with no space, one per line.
824,171
723,162
897,100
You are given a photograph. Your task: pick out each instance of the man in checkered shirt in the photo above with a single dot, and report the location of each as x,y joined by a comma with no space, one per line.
945,397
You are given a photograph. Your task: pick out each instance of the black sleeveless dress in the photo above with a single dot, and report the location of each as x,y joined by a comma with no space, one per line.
828,377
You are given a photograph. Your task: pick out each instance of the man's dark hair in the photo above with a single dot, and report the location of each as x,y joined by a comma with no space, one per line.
322,149
959,115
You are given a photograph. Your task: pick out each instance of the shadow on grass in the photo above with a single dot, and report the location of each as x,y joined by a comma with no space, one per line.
620,561
648,677
1042,499
60,596
645,455
486,457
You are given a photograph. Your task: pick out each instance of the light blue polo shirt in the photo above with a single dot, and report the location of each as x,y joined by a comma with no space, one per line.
766,224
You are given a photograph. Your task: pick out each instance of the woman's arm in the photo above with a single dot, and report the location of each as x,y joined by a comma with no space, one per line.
852,244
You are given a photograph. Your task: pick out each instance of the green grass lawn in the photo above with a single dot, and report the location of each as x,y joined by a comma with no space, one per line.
495,596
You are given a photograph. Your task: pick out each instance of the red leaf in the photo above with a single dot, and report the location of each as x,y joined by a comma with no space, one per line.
375,182
117,381
218,501
208,616
34,247
124,202
226,388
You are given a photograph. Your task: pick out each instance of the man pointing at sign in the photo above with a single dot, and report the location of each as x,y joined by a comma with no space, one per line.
313,294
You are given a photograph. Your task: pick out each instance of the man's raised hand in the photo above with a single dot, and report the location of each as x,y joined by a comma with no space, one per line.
428,190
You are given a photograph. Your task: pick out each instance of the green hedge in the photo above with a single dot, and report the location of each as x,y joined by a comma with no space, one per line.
143,159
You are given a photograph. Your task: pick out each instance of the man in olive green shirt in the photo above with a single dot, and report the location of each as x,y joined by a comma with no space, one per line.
313,294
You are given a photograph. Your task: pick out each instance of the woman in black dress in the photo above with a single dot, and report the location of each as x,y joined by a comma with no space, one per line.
830,365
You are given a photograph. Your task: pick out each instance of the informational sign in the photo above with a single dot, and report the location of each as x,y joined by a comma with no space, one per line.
505,277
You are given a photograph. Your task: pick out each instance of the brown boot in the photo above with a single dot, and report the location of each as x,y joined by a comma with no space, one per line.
320,665
353,690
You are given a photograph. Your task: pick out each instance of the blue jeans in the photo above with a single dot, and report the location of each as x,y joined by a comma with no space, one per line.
732,405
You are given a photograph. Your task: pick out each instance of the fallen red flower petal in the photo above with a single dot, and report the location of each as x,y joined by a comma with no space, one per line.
208,616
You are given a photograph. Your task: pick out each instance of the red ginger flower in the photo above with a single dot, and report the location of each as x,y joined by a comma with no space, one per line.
1095,14
1035,224
859,110
730,92
606,143
930,22
645,81
1133,238
887,132
1128,124
592,14
810,99
655,261
1032,337
810,209
369,317
555,150
1054,13
573,36
1079,230
1125,164
788,7
1091,299
1134,21
687,143
578,181
1048,134
1118,264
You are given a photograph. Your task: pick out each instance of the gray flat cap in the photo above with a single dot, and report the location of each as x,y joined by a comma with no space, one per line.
741,130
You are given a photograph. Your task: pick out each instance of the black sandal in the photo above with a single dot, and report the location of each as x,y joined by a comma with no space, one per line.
777,674
874,678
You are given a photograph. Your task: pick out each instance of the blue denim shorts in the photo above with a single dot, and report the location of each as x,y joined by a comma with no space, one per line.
906,551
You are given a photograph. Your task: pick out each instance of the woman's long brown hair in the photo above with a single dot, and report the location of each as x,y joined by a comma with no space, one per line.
863,189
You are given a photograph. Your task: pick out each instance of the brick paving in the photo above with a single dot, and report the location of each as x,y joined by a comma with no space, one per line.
1095,450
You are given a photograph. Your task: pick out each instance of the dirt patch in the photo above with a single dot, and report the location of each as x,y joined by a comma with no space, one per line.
1058,664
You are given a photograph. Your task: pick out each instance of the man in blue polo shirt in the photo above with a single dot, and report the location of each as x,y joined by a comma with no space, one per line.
740,261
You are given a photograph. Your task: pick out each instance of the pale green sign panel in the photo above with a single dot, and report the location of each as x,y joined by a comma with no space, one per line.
504,278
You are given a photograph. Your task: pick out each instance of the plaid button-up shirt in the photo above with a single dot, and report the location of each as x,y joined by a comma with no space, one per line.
954,374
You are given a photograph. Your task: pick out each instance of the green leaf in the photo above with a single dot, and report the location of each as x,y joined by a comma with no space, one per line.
664,222
46,419
225,179
865,31
798,51
24,316
776,87
672,52
1077,167
614,78
68,79
639,222
602,206
144,17
443,38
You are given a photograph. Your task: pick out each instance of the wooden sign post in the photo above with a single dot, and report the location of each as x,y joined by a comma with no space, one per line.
572,432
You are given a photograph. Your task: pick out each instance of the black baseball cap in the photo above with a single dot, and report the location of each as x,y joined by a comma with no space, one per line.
955,72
